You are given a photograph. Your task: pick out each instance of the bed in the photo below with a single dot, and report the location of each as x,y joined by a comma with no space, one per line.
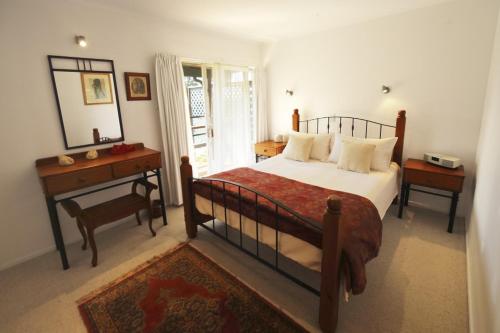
334,230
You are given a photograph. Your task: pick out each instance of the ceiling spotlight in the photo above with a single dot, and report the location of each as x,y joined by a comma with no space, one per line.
289,92
386,89
81,41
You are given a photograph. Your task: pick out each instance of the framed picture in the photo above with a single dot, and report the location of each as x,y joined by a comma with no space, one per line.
137,86
96,88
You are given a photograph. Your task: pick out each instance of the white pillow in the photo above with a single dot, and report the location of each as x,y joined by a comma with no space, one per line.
337,147
356,156
320,147
382,156
332,140
298,147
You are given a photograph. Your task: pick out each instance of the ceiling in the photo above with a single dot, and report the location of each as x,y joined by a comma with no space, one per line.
269,20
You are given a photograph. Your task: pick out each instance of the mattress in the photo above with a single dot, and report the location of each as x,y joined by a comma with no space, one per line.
377,186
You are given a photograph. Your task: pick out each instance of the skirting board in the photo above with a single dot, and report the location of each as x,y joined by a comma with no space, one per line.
28,257
46,250
469,277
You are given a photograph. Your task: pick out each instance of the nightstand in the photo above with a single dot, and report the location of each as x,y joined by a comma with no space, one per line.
421,173
268,148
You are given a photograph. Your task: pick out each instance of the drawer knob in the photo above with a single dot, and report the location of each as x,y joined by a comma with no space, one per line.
148,166
137,166
265,150
81,180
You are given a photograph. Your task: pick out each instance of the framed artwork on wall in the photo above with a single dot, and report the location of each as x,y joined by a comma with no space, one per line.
137,86
96,88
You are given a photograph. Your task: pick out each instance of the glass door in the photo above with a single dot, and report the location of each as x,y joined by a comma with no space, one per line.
233,118
222,116
198,94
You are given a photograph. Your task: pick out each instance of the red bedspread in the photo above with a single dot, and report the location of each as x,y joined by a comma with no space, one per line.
360,223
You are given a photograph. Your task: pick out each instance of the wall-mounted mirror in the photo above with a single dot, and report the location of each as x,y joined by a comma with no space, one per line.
87,100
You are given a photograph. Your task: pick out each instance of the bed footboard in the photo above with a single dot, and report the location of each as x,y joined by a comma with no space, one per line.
187,197
331,247
330,266
192,216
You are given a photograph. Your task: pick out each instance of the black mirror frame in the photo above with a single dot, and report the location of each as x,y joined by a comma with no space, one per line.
84,65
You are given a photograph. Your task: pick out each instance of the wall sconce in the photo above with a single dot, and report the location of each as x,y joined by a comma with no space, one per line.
289,92
386,89
81,41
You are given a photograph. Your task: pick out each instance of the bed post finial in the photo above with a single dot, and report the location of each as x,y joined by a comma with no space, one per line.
187,196
397,155
295,120
330,266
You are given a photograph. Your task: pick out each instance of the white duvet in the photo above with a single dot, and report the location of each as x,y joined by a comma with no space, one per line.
377,186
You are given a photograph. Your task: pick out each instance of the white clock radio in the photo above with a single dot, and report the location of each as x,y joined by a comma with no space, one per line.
443,160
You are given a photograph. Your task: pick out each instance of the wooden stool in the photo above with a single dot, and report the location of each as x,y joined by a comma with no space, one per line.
90,218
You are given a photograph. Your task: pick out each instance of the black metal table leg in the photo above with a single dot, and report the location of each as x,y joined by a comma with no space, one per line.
160,188
56,230
256,158
453,211
402,200
407,194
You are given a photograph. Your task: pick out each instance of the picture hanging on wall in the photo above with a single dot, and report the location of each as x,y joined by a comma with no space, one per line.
96,88
137,86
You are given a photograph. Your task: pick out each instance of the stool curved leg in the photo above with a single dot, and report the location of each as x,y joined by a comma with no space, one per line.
92,246
150,215
83,232
138,217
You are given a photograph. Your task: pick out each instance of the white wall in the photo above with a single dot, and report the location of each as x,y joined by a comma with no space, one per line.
435,59
483,246
29,125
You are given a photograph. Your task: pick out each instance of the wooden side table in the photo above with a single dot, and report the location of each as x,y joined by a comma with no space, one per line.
421,173
268,148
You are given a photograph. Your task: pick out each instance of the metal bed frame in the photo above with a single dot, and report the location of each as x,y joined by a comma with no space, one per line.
330,228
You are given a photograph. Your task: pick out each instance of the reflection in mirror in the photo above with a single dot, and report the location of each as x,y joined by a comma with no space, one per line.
87,100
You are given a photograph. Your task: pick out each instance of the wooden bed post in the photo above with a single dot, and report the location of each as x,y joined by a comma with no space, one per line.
330,266
187,196
295,120
397,155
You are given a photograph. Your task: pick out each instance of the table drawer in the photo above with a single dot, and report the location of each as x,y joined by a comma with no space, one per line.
432,180
78,179
128,168
267,151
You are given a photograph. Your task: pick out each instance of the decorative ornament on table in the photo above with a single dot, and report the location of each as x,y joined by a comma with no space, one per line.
65,160
122,149
92,154
278,138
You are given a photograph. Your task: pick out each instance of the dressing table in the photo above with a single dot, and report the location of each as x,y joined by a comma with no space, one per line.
58,180
87,101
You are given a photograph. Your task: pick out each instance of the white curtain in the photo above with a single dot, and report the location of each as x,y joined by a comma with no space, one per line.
233,118
209,103
173,120
261,89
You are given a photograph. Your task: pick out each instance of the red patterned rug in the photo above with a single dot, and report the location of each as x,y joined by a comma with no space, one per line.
181,291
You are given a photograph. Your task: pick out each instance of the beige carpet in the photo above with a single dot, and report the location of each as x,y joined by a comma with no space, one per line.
417,284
